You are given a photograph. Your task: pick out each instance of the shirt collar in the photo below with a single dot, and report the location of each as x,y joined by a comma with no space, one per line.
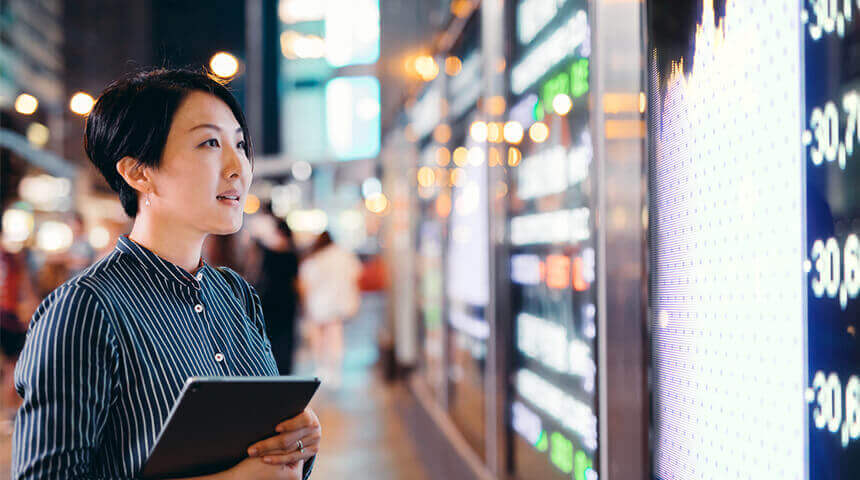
160,266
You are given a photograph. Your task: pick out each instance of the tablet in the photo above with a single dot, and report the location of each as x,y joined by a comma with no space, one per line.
216,419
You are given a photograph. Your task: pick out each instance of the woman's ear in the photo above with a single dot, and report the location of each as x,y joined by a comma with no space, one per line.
135,174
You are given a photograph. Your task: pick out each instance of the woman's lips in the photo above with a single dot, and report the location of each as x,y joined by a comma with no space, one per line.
228,201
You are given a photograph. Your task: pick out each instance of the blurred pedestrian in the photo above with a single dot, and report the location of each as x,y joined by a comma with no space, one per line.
119,341
328,279
17,302
81,253
276,284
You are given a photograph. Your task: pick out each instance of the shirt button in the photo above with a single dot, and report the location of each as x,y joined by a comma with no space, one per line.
219,357
199,277
198,308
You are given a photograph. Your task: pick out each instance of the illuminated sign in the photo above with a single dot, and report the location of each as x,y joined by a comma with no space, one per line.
526,422
726,229
573,414
526,269
832,248
352,117
572,81
542,173
546,342
572,38
534,15
351,32
562,226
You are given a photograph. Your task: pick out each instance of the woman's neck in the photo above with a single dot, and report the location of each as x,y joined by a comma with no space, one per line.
179,246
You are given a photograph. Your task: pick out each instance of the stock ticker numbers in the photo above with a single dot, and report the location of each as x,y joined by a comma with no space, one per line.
830,140
835,269
836,406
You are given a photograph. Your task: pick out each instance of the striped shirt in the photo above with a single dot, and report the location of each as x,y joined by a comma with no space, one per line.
108,352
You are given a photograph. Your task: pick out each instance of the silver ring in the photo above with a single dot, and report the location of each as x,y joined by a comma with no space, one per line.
301,447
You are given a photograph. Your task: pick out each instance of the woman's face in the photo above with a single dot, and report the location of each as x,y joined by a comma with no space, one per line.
204,173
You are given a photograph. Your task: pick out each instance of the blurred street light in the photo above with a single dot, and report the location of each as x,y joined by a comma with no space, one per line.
252,204
562,104
538,132
295,45
494,132
301,170
17,225
453,65
426,67
443,157
26,104
478,131
426,176
54,236
81,103
514,156
442,133
99,237
461,156
38,134
376,203
224,65
513,132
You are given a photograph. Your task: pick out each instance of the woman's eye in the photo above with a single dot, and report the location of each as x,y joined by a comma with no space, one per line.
212,142
241,145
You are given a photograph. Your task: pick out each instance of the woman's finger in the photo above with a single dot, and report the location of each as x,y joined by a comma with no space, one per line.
305,419
284,441
309,443
292,457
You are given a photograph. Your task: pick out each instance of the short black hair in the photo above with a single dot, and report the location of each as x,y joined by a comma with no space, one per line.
132,118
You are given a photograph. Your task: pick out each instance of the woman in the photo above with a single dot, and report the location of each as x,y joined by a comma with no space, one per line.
329,281
108,351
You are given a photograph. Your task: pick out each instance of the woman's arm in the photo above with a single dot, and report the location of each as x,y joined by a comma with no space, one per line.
65,375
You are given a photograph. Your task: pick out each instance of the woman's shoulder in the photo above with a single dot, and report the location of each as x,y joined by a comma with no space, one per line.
236,285
75,308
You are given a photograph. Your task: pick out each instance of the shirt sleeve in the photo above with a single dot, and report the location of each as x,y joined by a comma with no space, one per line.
65,376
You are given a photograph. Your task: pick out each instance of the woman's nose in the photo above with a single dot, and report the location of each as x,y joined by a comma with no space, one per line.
233,161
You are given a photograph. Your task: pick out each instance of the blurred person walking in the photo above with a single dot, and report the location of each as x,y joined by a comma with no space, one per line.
108,352
80,254
17,302
328,279
278,267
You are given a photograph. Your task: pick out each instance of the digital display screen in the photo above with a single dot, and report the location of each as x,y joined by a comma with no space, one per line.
753,223
551,238
831,41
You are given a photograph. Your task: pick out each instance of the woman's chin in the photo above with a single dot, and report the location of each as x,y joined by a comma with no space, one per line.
227,228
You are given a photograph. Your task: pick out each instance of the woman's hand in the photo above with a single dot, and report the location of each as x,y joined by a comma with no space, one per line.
253,468
298,439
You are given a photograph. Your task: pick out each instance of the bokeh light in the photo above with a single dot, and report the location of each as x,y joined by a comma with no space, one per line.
26,104
81,103
478,131
514,132
252,204
224,65
562,104
538,132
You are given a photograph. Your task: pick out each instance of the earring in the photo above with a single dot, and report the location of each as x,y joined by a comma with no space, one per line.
146,201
